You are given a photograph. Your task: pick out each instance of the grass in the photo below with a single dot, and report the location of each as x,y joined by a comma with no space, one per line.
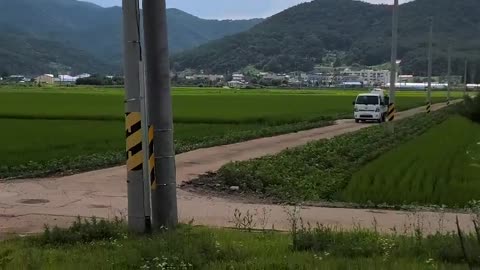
107,245
440,167
70,129
67,146
320,170
201,106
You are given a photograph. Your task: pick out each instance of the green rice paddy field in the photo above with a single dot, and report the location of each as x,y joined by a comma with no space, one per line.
439,167
47,126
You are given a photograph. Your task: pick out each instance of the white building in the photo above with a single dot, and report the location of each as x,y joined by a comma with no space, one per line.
418,86
236,84
370,77
66,79
238,81
83,75
238,77
206,77
45,78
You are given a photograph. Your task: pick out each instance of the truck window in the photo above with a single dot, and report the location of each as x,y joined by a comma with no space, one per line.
368,100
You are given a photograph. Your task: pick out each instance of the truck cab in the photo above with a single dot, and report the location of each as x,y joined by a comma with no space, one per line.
371,106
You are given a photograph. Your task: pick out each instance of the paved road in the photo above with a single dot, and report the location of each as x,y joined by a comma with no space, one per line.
26,205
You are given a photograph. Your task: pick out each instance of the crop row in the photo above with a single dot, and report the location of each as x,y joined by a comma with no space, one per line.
440,167
322,169
202,108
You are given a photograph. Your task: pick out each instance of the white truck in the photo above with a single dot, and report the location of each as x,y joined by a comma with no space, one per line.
371,106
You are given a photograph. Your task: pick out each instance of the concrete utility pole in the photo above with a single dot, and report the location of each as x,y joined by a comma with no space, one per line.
465,78
393,63
133,125
449,72
430,48
164,196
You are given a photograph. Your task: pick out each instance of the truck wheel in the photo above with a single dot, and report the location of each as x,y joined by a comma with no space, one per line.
357,121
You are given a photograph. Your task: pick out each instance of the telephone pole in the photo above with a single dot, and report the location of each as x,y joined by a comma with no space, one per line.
430,48
133,124
163,186
449,72
465,78
393,64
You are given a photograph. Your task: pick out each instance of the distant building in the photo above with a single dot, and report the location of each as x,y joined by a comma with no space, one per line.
418,86
236,84
274,77
238,81
16,78
66,79
352,84
406,79
83,76
238,77
205,77
45,78
370,77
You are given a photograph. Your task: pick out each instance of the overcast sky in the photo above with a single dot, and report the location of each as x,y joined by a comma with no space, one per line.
229,9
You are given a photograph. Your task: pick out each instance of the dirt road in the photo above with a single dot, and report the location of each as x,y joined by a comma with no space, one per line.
26,205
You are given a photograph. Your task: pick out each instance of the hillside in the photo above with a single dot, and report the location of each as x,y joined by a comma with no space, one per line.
75,25
301,36
27,55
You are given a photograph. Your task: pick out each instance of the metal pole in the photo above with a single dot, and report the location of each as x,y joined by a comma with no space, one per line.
393,64
430,48
135,190
449,73
164,196
465,78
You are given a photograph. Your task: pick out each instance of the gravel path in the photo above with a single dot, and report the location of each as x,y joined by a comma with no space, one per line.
27,205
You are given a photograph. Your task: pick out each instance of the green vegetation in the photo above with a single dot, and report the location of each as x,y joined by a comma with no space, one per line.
320,170
54,40
471,109
440,167
107,245
65,130
351,32
27,54
193,105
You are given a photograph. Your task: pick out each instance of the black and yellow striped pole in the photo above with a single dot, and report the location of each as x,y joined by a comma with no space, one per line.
391,112
135,156
429,107
164,186
151,159
393,69
137,212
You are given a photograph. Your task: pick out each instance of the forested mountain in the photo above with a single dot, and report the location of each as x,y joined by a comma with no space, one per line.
63,28
28,55
359,32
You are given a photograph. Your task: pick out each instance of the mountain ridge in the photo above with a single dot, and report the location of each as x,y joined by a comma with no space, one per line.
300,37
92,31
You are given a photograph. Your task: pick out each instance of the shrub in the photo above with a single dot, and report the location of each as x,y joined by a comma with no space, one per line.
83,231
471,108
